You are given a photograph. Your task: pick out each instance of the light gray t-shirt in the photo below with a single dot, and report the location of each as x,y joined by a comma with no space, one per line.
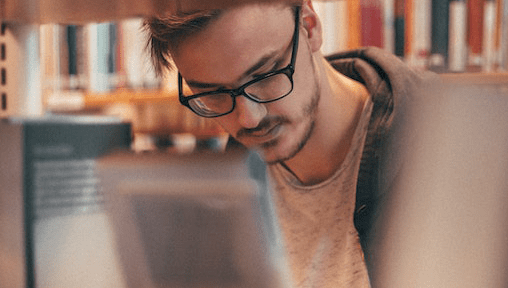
320,238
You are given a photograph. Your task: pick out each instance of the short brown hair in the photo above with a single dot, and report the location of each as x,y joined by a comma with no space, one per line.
165,33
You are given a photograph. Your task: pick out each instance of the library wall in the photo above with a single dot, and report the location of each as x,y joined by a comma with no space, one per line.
103,68
439,35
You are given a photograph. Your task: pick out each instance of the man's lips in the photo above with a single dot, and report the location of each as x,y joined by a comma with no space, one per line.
263,132
266,131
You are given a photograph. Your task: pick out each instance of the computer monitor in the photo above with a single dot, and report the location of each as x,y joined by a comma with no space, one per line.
196,220
444,222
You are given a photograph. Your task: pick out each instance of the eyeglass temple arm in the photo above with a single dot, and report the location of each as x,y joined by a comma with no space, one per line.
295,35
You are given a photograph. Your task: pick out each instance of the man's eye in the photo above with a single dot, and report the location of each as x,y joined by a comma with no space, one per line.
199,91
204,90
274,67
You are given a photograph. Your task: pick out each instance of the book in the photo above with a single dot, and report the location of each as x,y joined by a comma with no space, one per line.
438,58
20,75
334,20
503,42
457,49
408,28
54,229
475,20
399,25
372,23
354,24
50,68
74,52
134,57
101,39
421,34
489,35
389,26
498,32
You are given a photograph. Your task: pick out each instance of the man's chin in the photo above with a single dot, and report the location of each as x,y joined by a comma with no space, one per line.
274,153
276,150
283,149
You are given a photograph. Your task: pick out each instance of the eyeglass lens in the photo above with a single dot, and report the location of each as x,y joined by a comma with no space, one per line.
264,90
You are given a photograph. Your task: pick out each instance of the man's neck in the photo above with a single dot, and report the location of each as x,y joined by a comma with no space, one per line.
342,102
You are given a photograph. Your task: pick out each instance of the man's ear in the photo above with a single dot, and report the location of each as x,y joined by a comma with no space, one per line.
312,25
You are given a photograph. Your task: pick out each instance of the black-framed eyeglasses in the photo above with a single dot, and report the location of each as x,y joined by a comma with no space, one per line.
266,88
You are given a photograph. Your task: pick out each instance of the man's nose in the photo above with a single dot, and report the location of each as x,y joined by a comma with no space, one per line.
249,113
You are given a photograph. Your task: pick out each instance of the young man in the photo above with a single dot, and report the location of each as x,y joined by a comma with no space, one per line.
320,123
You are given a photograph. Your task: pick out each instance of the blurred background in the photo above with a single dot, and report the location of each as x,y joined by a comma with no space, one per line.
76,82
89,57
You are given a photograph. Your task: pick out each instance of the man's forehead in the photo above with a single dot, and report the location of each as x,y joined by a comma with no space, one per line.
246,18
186,7
239,36
257,8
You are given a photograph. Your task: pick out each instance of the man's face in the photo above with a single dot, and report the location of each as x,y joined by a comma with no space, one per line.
244,43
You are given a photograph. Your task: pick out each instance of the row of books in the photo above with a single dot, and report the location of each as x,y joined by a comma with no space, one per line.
105,68
97,57
440,35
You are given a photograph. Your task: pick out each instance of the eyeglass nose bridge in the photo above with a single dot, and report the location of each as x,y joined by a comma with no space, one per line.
242,93
236,93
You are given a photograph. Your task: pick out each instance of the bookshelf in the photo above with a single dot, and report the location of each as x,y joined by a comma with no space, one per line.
95,63
443,36
91,65
440,35
478,78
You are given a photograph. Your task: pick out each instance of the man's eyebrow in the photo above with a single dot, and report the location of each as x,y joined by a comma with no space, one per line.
201,85
259,64
265,59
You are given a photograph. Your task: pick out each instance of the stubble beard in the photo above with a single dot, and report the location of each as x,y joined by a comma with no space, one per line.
308,114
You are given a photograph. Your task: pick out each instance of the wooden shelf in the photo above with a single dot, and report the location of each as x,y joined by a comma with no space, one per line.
500,78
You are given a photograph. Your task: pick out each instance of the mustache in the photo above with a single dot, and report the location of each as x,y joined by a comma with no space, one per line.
264,125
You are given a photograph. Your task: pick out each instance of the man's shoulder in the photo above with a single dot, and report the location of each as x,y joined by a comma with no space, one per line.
386,65
392,84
